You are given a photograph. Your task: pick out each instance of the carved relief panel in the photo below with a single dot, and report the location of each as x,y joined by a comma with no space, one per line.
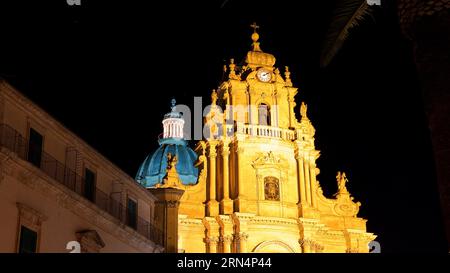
271,188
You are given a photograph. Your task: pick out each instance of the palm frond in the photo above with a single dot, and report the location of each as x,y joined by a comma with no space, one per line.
347,14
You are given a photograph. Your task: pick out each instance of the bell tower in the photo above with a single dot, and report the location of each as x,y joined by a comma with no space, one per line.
265,156
257,188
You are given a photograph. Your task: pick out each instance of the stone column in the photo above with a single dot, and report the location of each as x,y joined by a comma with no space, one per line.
166,216
240,200
226,204
307,182
226,243
212,205
312,168
212,244
301,180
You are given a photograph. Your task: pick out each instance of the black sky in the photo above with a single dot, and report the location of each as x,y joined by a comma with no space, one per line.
108,69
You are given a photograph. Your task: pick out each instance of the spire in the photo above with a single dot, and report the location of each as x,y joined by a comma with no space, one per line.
255,38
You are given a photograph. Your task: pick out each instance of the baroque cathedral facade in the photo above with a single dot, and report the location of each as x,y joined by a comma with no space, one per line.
251,184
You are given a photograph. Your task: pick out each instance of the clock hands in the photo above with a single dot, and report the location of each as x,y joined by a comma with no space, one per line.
264,75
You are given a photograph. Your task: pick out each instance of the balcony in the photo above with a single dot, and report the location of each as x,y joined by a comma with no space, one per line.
15,142
263,131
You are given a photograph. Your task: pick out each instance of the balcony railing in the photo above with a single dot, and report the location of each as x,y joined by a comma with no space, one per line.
263,131
15,142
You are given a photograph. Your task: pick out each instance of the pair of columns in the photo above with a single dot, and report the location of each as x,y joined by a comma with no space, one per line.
307,183
226,204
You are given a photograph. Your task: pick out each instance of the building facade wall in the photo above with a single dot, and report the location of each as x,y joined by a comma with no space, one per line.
63,212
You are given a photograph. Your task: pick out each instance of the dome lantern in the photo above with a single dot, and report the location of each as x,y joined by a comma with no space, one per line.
154,168
173,123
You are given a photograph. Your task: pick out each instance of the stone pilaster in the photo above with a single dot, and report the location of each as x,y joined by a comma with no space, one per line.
212,208
240,201
300,178
226,204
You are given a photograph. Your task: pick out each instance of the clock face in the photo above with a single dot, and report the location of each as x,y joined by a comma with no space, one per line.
264,75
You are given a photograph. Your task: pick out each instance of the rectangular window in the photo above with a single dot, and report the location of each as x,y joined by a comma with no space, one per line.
89,184
28,240
35,148
131,213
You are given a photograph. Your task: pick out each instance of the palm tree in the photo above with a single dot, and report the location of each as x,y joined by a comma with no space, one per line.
426,23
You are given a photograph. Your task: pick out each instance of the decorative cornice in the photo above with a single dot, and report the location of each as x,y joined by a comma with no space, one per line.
273,221
30,215
240,216
190,221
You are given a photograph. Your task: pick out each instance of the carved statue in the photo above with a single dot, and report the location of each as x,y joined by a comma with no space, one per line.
213,97
173,103
171,161
342,180
303,110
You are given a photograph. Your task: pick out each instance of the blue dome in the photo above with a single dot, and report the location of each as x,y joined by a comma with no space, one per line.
153,170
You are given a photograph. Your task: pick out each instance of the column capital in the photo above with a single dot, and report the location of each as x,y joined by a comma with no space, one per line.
226,148
310,245
212,145
212,240
238,148
298,154
241,236
227,238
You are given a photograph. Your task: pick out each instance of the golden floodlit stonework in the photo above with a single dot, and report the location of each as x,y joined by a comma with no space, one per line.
257,189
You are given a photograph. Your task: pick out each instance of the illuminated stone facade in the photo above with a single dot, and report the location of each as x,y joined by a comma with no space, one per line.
257,189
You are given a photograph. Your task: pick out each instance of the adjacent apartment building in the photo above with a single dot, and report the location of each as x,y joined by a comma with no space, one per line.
57,193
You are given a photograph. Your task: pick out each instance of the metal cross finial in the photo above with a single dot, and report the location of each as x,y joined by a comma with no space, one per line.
254,26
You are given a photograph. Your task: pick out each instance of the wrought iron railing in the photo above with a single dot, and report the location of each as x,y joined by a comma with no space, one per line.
15,142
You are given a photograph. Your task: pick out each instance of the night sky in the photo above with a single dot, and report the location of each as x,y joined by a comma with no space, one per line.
108,69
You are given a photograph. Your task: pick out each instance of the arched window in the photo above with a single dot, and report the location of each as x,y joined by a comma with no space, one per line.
264,114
